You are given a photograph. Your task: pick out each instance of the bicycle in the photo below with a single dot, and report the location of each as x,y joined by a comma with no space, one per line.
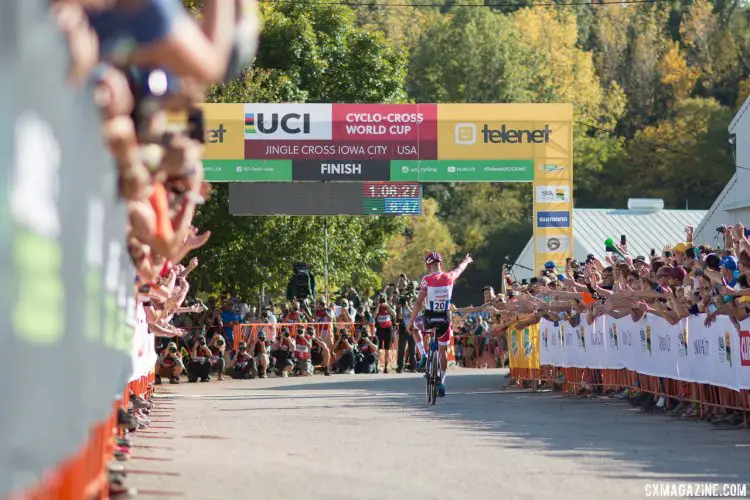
433,373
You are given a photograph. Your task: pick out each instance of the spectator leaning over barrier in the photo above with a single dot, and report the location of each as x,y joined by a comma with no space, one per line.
683,280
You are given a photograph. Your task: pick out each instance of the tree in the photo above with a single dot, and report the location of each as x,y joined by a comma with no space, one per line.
310,52
692,168
245,253
423,234
470,55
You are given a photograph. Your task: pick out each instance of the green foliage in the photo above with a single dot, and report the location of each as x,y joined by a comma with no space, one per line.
246,252
664,73
310,52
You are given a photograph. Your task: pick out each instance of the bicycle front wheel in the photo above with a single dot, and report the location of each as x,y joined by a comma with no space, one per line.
435,375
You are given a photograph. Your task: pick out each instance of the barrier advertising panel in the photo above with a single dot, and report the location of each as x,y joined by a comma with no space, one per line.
688,351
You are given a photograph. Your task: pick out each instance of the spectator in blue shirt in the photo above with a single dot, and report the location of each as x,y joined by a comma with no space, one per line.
229,319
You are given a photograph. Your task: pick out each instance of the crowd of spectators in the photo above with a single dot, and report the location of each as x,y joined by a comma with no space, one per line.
145,63
680,280
352,333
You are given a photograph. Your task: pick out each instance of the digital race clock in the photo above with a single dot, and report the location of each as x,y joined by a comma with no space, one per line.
392,198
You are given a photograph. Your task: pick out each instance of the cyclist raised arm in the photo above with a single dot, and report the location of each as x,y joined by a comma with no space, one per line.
436,260
435,291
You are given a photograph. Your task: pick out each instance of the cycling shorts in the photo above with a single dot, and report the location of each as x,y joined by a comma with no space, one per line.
440,323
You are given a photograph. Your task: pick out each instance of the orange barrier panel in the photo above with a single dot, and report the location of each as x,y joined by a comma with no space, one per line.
691,392
84,475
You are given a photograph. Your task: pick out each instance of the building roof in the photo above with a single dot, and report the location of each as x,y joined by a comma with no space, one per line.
716,215
736,120
644,229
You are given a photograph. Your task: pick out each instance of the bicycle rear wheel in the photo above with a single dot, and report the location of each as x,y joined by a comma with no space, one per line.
434,375
430,383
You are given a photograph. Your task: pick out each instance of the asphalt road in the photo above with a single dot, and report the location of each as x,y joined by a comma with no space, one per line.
374,437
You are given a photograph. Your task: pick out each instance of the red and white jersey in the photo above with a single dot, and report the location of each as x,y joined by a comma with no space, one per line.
439,289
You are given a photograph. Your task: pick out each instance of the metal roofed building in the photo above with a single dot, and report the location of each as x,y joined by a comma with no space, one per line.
732,206
645,223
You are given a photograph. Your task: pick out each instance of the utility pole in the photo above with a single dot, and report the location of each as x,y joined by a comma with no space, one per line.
325,233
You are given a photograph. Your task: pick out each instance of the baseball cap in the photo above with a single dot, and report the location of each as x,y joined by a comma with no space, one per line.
640,258
549,265
680,247
729,262
677,273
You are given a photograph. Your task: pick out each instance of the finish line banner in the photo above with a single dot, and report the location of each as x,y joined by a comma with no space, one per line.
688,351
416,142
303,142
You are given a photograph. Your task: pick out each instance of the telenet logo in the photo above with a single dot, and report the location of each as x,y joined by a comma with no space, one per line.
466,135
224,131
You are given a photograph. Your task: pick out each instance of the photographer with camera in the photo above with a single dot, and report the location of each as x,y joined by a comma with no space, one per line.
283,353
200,362
367,355
384,317
297,314
170,364
320,354
302,347
218,347
243,365
324,316
259,350
345,356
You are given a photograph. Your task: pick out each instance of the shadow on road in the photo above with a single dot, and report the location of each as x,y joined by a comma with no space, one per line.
648,446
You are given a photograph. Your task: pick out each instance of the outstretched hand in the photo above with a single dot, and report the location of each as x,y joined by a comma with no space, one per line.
468,260
195,240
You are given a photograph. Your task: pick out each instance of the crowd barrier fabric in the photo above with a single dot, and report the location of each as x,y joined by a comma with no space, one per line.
66,276
523,344
688,351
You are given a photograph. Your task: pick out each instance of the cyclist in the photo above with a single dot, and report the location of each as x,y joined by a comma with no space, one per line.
435,292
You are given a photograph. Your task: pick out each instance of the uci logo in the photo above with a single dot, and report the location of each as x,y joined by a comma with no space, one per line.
288,123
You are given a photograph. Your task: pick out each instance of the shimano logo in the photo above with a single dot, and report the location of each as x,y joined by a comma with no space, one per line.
341,168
